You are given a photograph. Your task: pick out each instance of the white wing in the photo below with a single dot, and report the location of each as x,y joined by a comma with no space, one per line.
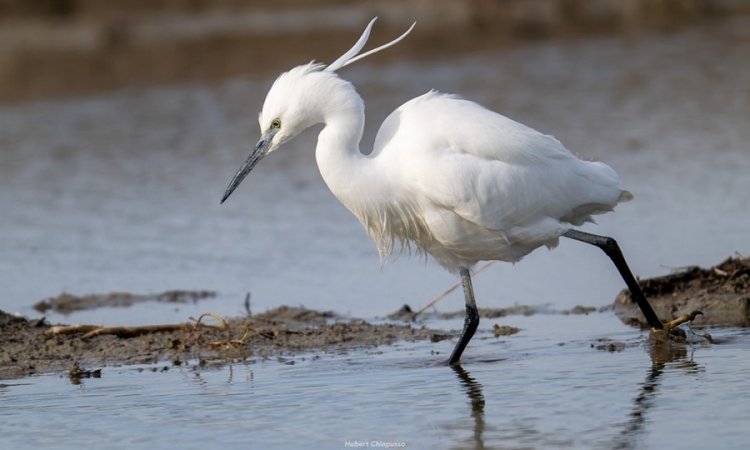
490,170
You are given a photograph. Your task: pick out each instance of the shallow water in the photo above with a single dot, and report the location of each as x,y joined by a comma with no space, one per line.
545,387
120,192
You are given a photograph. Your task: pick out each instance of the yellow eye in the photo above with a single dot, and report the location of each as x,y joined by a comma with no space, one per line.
276,124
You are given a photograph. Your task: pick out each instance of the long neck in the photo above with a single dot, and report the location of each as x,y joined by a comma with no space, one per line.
343,167
360,181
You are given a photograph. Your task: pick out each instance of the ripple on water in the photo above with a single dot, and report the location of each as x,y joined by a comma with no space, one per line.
538,396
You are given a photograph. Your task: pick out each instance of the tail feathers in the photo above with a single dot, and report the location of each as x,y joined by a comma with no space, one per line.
582,213
625,196
603,192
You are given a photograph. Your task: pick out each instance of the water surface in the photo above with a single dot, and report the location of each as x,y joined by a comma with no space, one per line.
120,192
545,387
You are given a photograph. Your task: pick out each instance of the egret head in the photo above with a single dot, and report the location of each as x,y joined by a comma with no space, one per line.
291,105
294,103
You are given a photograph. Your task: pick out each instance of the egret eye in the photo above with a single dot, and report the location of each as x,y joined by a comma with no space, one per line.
276,124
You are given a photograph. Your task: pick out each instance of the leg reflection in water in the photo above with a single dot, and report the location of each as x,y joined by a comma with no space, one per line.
662,352
476,397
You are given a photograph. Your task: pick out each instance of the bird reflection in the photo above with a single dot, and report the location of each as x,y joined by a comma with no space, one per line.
662,353
476,397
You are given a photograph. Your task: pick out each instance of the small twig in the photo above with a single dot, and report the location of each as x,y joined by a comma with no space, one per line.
96,330
125,332
247,305
672,324
451,289
720,272
224,325
71,329
193,328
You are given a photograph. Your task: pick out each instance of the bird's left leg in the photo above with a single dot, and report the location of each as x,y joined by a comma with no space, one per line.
611,249
471,322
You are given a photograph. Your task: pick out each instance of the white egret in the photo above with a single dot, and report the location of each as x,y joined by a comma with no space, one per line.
446,175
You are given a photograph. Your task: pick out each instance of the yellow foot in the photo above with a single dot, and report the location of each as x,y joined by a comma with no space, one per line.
673,333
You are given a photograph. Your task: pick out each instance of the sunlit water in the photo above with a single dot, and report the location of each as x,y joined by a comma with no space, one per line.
545,387
120,192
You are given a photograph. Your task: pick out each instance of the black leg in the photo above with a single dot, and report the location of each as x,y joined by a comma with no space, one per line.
610,247
471,322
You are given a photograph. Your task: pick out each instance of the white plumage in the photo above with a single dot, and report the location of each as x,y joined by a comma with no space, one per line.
483,186
446,175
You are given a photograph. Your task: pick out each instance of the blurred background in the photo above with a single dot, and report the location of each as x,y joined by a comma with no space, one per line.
62,47
121,124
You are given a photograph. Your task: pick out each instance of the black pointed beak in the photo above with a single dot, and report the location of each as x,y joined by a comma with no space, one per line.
261,149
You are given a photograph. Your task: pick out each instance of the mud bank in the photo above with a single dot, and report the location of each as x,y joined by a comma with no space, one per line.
721,292
35,346
27,347
68,303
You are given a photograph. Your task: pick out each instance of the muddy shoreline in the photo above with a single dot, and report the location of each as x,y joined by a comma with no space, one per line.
31,346
721,293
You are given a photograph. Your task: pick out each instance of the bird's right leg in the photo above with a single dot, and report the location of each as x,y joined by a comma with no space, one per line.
471,322
611,249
